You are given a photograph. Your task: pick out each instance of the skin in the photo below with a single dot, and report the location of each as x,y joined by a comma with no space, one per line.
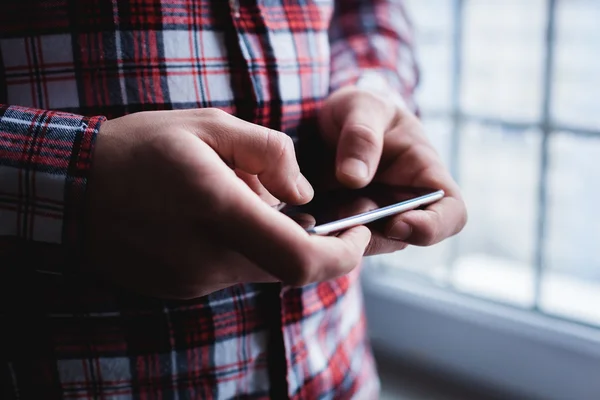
167,215
179,201
374,140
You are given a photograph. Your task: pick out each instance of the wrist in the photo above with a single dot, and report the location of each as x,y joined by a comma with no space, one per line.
374,82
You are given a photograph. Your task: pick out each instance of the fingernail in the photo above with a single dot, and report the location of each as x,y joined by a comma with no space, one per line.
400,231
304,222
305,189
355,167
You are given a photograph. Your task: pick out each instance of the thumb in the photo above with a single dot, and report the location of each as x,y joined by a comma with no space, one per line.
360,143
279,245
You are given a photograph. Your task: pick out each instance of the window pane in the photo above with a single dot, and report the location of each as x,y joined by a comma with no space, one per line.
499,172
503,58
431,261
434,43
577,64
571,284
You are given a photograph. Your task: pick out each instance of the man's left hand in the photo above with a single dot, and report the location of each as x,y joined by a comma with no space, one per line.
376,140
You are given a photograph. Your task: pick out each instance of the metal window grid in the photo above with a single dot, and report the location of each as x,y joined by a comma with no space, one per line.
545,125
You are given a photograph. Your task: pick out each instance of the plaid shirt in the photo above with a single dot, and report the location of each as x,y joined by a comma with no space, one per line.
66,66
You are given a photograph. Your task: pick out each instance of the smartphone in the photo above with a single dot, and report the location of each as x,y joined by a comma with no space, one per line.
337,210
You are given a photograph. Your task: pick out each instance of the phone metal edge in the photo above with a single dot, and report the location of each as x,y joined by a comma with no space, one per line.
376,214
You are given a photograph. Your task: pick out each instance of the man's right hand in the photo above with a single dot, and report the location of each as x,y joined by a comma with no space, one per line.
168,216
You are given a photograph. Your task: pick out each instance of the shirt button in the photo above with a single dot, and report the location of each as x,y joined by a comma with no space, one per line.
234,5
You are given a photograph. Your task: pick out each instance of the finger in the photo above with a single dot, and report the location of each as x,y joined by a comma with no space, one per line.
358,206
215,277
430,226
422,167
280,246
306,221
257,187
380,244
352,244
361,140
257,150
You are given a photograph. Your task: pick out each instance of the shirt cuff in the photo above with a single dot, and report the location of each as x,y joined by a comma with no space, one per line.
45,159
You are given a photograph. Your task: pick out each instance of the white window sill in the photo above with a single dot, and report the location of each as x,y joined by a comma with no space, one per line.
513,350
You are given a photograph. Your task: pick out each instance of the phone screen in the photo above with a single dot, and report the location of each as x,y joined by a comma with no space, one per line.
348,206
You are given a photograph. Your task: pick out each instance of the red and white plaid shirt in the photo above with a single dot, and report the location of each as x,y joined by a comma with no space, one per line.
65,66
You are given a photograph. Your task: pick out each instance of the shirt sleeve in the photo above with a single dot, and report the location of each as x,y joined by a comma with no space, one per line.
372,47
45,160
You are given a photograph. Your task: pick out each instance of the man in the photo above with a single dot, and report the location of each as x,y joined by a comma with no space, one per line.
141,146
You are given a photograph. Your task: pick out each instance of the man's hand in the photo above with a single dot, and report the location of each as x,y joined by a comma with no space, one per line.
377,140
168,216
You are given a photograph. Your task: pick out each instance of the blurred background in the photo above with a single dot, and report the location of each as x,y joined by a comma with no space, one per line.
510,96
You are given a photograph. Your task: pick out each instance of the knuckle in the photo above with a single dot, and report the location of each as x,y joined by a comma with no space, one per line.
278,146
205,122
288,142
364,136
280,143
211,113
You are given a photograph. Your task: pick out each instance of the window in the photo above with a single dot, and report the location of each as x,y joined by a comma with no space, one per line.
510,96
507,99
